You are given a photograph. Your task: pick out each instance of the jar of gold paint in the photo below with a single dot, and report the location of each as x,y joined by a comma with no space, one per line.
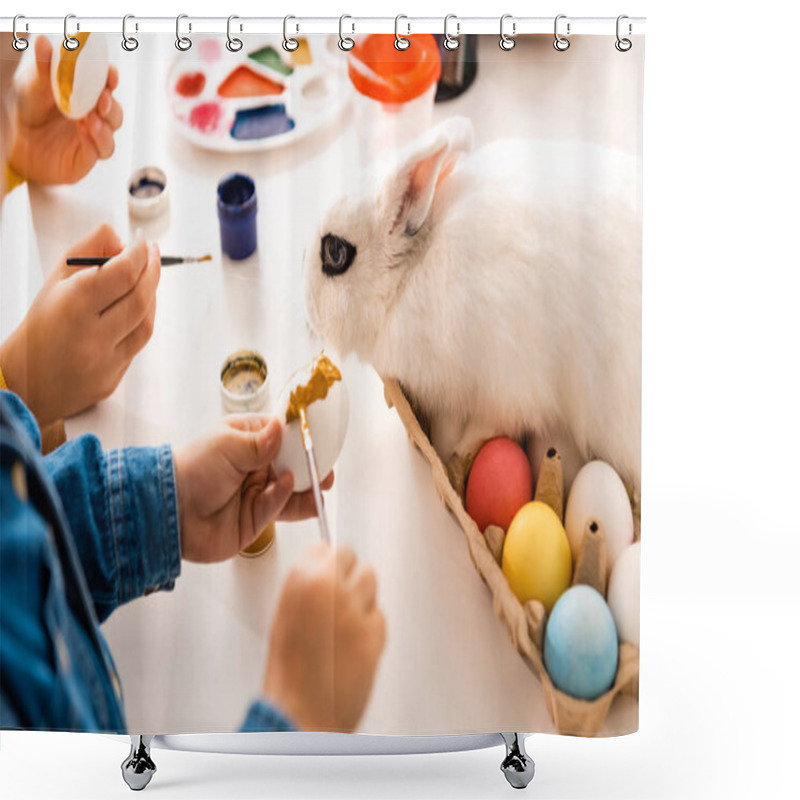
262,543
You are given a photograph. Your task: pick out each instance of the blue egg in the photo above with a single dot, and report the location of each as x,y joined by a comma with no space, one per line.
580,644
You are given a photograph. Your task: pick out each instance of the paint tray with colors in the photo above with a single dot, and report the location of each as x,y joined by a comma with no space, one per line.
258,98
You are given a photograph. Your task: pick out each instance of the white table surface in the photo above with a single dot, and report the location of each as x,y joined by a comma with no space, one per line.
192,659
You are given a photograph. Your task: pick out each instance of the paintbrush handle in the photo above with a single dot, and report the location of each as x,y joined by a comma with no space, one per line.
311,460
166,261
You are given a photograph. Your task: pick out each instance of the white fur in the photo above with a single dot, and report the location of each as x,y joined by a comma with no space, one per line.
503,290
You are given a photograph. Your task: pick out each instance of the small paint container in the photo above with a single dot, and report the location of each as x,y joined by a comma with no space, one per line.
236,209
262,543
148,194
244,381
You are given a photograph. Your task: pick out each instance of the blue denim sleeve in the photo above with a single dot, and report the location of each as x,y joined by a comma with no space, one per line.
263,717
122,508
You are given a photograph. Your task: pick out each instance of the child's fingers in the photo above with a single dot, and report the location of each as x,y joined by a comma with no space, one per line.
139,336
123,317
269,503
44,53
101,242
117,277
113,78
101,134
110,110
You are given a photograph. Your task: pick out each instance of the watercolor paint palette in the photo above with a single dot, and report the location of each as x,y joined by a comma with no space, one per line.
259,98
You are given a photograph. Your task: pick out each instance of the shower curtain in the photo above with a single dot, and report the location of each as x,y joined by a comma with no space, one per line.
435,256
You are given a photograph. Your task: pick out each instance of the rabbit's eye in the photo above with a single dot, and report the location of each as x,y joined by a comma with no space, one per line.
337,254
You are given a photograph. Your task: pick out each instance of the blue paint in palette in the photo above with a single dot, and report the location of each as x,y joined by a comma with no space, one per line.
261,122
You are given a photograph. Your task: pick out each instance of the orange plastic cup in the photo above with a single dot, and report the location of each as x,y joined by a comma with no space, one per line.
396,89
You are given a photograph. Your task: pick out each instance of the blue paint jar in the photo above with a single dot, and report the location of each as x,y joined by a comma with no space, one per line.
236,209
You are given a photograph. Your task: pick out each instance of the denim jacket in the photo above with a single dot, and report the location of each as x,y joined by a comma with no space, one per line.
81,532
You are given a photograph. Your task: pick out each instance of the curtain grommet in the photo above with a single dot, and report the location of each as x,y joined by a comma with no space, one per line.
623,44
19,44
234,43
129,43
451,42
560,42
346,43
401,43
289,43
70,42
507,42
183,43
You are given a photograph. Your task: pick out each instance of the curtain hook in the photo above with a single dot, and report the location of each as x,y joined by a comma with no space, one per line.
70,42
183,43
289,45
507,42
345,42
451,42
560,43
400,42
19,44
623,45
234,43
129,43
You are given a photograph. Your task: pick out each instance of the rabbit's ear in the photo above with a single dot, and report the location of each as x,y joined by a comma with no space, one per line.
430,161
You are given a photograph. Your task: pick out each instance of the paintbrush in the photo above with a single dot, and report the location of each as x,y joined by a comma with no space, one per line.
311,460
166,261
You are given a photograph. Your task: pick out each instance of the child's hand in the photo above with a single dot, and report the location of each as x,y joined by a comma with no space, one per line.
326,641
46,147
84,328
228,491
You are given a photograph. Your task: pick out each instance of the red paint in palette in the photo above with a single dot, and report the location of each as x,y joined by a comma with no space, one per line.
206,117
191,84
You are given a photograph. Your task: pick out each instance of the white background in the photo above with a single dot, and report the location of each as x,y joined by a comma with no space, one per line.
720,701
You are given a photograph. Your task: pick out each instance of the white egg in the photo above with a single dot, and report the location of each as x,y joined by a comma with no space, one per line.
327,420
598,493
79,76
623,593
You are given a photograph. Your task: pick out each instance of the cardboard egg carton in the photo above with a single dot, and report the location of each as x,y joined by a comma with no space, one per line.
526,623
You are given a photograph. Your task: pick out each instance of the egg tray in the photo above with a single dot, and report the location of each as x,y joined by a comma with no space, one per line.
526,623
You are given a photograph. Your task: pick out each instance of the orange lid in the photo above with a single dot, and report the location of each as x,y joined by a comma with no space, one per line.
380,71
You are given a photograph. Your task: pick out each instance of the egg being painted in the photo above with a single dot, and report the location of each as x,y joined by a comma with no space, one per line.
79,76
598,493
318,387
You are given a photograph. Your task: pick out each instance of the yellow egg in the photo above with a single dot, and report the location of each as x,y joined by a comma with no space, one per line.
537,561
79,76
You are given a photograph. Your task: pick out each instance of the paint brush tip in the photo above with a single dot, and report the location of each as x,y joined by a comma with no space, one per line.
206,257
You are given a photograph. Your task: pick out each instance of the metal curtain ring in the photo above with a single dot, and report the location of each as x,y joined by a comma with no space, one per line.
234,44
129,43
183,43
289,45
400,42
507,42
19,44
345,42
623,45
451,42
560,43
70,42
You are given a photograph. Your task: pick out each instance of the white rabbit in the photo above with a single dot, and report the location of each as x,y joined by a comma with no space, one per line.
502,289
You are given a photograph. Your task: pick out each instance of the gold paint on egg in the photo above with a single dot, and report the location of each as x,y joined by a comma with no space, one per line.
324,373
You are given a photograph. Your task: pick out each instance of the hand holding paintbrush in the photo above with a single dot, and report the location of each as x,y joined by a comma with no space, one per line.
84,327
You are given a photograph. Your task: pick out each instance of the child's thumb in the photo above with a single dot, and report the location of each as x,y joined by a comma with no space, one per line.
44,54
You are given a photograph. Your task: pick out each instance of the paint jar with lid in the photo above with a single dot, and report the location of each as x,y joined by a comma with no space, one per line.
236,209
395,90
